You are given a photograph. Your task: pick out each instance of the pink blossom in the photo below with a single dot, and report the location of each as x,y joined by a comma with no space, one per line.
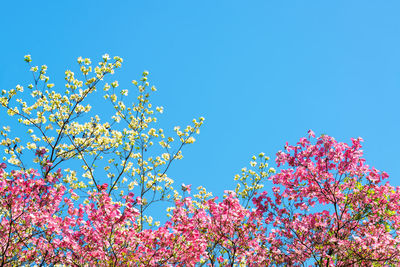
186,188
40,152
311,134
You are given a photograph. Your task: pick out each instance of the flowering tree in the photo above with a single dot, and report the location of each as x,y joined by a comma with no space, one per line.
121,150
356,220
326,208
28,205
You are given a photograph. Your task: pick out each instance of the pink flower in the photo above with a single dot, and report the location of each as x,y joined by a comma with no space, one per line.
40,152
102,187
186,188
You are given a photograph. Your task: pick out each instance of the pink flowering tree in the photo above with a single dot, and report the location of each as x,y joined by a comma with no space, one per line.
330,208
29,206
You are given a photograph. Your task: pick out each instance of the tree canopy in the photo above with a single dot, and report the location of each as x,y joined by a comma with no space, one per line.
77,187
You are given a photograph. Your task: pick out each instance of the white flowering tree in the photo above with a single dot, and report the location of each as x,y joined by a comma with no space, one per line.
125,153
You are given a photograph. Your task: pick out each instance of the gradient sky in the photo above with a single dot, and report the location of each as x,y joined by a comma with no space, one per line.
260,72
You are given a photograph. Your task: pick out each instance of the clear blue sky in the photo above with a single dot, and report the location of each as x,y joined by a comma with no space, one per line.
260,72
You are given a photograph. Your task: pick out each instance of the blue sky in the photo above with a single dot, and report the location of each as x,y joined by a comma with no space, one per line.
260,72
